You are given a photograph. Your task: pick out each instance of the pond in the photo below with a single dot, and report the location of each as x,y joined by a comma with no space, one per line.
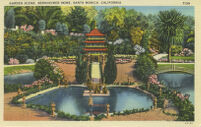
25,78
70,100
182,82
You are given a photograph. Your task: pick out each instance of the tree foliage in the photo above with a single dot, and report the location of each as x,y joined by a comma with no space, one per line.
10,18
76,19
145,66
81,69
170,26
110,70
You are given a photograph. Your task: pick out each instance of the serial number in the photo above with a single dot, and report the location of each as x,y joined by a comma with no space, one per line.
186,3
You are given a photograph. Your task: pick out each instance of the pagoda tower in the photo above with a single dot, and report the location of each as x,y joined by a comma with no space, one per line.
95,50
95,47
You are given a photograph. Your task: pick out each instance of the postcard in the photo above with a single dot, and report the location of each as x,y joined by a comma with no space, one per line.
100,63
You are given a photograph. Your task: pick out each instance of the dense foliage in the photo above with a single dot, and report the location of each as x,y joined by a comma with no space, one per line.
144,67
81,70
47,68
110,70
185,107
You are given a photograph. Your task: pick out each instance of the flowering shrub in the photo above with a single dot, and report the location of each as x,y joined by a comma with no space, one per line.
153,79
138,49
183,97
76,34
186,52
42,81
51,31
26,28
13,61
46,67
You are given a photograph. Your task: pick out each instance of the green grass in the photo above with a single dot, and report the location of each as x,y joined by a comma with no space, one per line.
17,69
180,67
183,57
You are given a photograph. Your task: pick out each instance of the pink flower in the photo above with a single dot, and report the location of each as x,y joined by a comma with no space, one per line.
13,61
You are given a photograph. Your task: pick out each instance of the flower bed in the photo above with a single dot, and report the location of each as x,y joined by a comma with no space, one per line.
48,68
185,107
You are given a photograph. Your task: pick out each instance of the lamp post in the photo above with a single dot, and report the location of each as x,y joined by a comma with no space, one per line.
19,91
90,103
53,108
108,110
24,102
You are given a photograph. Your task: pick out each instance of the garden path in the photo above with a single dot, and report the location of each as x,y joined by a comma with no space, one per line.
158,56
69,71
95,72
125,72
16,113
155,114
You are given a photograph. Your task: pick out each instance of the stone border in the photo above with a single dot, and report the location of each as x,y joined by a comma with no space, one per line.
38,93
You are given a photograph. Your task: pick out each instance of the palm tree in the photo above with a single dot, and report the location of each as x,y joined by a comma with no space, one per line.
32,15
170,26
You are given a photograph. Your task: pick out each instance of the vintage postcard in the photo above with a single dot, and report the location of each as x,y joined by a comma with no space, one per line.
100,63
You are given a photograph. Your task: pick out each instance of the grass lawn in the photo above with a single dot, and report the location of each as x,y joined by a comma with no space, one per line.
183,57
18,69
186,67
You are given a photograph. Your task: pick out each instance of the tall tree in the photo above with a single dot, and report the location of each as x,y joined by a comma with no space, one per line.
110,70
170,26
76,19
10,18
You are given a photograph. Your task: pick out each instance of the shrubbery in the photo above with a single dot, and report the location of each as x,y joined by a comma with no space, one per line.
144,67
45,67
110,70
81,70
185,107
11,88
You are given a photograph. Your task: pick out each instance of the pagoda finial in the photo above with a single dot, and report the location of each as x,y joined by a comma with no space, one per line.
95,25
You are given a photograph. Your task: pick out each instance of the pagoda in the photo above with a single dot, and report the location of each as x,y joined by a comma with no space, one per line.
95,47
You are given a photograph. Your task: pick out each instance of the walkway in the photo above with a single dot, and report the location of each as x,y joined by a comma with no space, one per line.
158,56
155,114
16,113
95,72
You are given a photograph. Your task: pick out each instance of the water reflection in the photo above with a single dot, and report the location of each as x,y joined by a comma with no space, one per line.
181,81
70,100
25,78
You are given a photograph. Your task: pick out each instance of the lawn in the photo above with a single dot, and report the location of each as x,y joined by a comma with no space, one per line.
186,67
183,57
18,69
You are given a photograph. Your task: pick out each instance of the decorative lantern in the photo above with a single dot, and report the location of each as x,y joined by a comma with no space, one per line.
155,102
108,110
24,101
53,105
90,101
160,91
19,92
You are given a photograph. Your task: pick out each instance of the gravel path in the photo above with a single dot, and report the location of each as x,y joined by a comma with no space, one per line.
155,114
16,113
158,56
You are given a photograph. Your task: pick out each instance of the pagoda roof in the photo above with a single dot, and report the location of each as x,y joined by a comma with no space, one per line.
98,49
95,32
94,41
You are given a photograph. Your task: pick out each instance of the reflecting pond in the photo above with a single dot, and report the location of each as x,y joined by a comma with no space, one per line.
25,78
70,100
183,82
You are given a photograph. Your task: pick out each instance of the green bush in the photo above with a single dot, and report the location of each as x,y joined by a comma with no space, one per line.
110,70
185,107
176,49
45,67
81,70
12,88
145,66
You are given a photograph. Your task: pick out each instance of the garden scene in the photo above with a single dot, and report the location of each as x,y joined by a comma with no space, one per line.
87,63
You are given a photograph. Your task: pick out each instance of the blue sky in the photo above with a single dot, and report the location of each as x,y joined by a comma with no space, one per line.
186,10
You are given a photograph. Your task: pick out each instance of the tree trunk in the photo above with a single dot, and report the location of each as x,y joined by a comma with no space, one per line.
169,54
